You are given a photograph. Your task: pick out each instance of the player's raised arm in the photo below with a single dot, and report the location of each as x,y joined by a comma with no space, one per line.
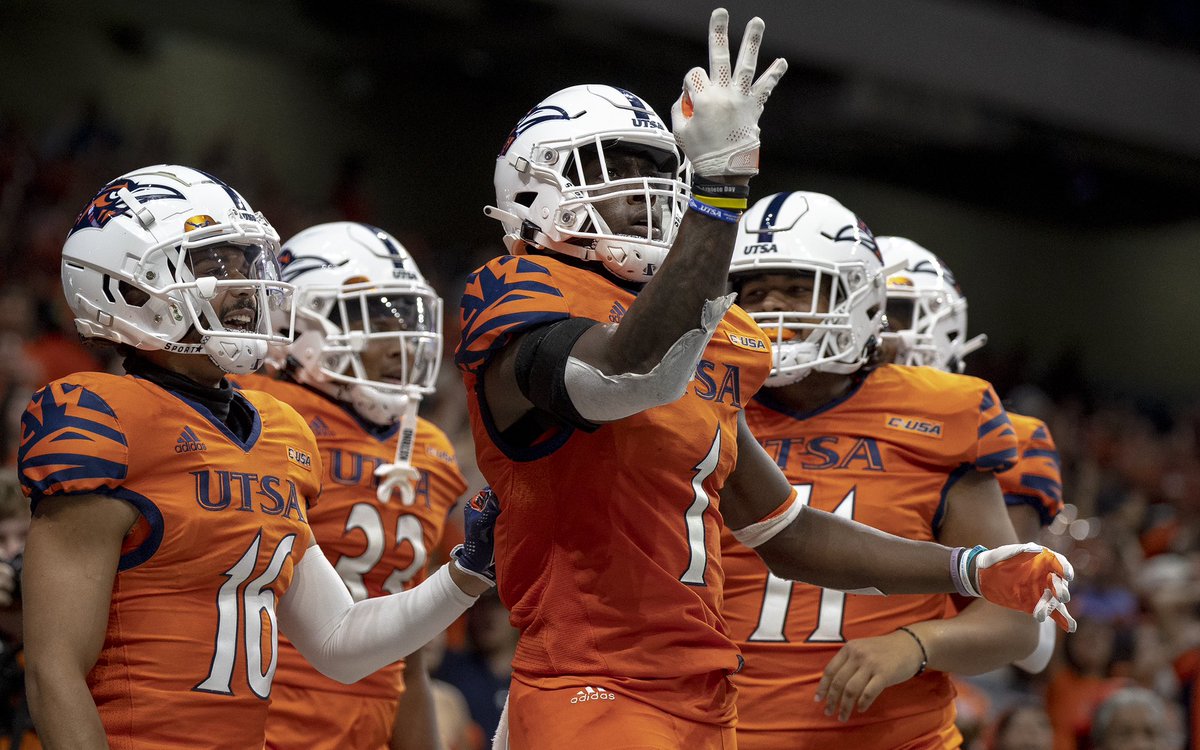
799,543
715,121
589,374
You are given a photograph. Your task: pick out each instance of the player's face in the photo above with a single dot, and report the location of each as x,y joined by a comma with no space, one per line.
784,292
236,306
626,214
899,318
385,357
899,314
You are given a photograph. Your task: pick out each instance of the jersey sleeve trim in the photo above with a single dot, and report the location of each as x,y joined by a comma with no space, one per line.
154,518
952,479
1033,501
998,461
515,452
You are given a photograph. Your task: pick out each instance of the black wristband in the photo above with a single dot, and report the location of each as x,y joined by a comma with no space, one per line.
924,656
710,189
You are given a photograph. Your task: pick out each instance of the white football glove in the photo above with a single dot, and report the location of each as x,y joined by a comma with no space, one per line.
1026,577
393,477
715,119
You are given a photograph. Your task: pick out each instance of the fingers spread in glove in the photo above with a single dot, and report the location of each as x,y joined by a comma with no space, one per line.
1068,571
1064,619
747,60
718,46
766,82
1059,586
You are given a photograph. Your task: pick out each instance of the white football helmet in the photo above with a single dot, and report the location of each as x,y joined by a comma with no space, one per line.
923,294
355,285
811,233
156,247
544,201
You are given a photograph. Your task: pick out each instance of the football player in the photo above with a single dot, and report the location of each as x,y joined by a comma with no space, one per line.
927,326
170,541
368,345
606,379
910,451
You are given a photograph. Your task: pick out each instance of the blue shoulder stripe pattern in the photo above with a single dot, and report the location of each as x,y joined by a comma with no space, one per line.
47,421
1049,487
998,461
994,423
1042,453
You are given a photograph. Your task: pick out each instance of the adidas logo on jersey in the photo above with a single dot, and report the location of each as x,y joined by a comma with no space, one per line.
616,313
593,694
188,441
319,428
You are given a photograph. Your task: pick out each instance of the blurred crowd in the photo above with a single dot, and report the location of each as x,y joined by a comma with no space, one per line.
1131,473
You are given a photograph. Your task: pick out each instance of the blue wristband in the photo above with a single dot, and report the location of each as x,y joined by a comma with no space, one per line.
712,212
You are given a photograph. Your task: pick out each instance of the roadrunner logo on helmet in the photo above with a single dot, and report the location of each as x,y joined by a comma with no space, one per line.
923,296
544,200
356,286
155,248
813,234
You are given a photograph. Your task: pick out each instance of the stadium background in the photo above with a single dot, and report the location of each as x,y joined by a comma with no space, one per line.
1049,150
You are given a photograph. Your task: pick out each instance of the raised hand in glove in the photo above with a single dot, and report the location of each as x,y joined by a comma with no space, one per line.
1026,577
476,556
715,120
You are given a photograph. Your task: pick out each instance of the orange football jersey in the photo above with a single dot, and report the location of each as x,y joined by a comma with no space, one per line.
222,526
377,548
885,454
608,542
1036,479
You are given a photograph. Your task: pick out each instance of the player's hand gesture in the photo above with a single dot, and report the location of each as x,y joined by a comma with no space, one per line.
477,554
715,120
1026,577
864,668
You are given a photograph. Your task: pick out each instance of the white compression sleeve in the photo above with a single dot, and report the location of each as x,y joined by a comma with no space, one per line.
1040,657
347,640
607,398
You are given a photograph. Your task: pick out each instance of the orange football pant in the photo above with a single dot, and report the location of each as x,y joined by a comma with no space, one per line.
589,717
301,719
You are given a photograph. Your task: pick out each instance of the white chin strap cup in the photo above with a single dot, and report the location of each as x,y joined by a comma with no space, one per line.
235,355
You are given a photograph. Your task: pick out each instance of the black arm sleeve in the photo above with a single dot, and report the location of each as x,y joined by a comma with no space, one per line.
542,364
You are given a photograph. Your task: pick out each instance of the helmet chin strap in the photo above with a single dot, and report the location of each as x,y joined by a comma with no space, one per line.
792,353
233,354
373,404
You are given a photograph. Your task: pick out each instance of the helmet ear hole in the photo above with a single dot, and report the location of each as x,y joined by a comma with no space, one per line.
525,199
133,296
